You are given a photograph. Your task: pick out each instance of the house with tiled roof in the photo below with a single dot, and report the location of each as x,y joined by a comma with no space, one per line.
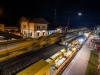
34,28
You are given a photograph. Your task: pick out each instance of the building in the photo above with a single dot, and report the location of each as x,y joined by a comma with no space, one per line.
34,28
60,29
11,28
39,68
2,27
54,29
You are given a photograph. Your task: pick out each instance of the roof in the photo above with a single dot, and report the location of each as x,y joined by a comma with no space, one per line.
39,20
33,69
35,20
25,19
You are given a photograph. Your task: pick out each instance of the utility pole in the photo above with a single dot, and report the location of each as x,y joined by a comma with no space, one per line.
55,17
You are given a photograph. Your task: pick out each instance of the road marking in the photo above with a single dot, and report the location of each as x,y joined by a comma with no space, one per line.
73,63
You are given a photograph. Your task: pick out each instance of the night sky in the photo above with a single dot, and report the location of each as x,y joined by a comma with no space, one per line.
11,11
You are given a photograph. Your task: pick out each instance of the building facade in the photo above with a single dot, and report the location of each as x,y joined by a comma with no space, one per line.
54,29
34,28
11,28
2,27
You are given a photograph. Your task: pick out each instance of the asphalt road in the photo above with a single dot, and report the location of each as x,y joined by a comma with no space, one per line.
79,63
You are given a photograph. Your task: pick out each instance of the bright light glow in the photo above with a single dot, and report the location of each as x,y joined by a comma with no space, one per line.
81,40
79,14
43,31
38,31
63,50
73,49
49,61
64,43
58,29
86,34
69,53
60,62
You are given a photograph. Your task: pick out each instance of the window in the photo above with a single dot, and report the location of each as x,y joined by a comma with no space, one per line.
43,27
24,26
38,27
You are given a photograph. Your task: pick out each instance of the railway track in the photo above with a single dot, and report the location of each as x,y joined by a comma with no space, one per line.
19,63
16,64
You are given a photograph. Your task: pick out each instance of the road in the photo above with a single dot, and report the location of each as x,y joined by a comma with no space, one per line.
79,63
